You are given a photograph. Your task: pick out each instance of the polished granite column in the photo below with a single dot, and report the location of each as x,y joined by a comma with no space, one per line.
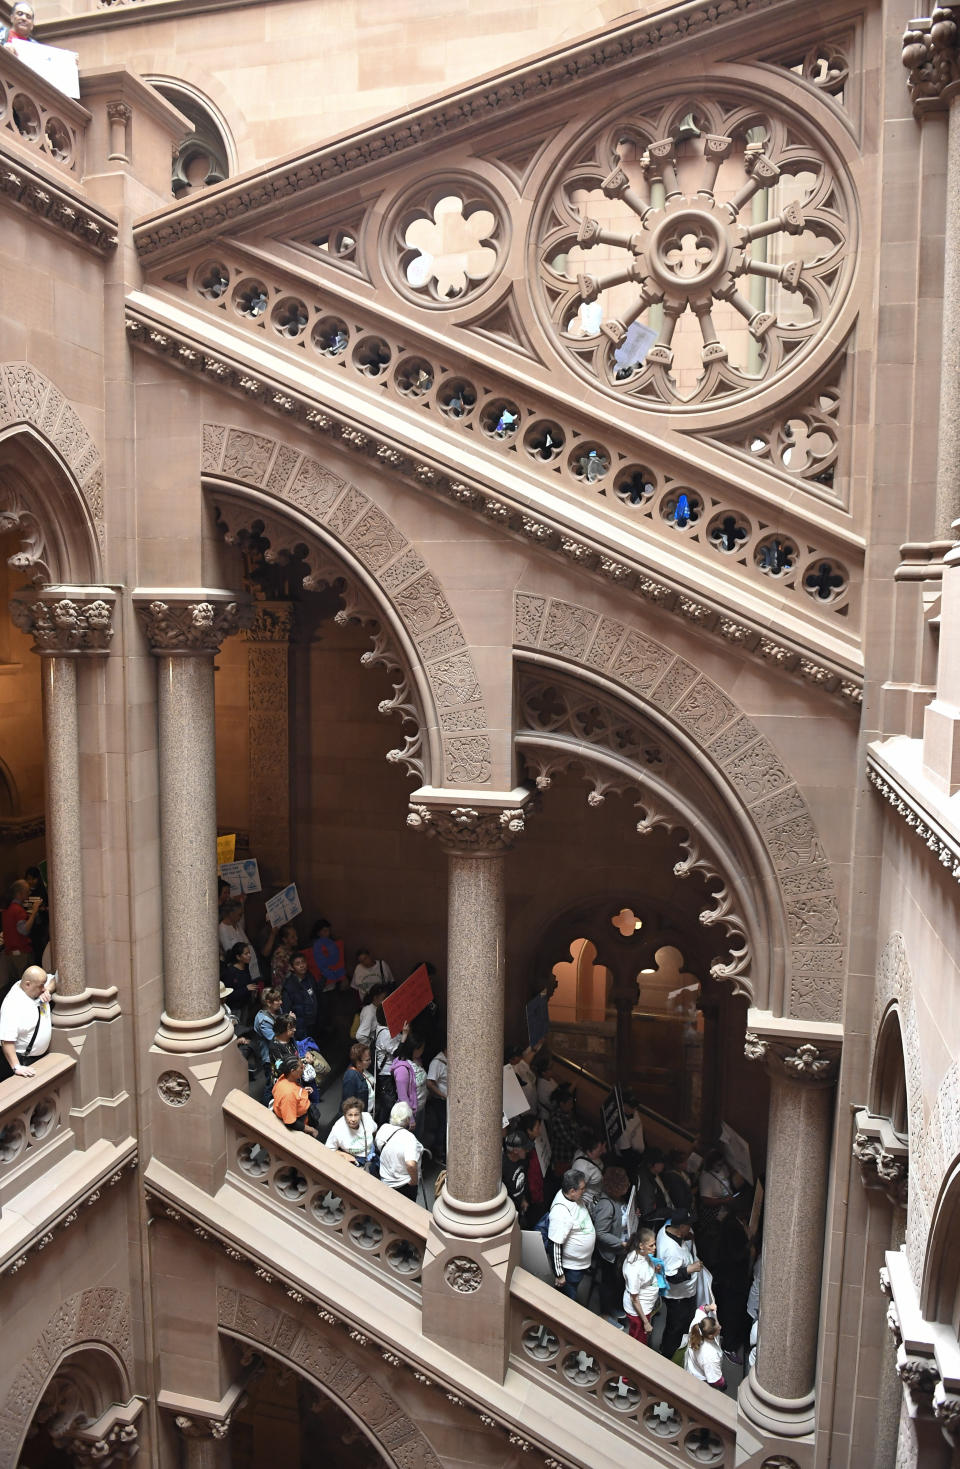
778,1394
473,1243
68,625
185,630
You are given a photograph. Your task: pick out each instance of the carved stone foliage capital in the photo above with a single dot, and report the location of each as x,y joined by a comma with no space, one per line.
191,626
801,1063
466,830
946,1410
66,622
930,55
272,622
215,1428
883,1158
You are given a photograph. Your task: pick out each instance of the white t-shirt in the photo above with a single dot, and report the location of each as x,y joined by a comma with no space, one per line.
367,1025
674,1253
639,1279
437,1072
717,1184
386,1045
572,1228
357,1144
365,976
18,1018
397,1147
706,1364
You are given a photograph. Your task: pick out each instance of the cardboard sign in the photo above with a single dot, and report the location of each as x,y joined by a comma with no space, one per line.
633,1218
226,849
755,1210
736,1150
613,1118
514,1098
538,1020
55,64
284,906
243,877
544,1150
408,1000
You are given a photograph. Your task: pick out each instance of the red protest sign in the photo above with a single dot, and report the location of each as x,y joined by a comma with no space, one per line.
408,1000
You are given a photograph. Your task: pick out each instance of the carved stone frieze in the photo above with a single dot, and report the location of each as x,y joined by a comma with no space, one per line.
272,622
65,621
69,213
466,830
805,1063
936,839
190,624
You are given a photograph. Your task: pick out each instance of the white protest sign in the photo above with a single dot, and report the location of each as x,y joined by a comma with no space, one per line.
736,1150
243,877
514,1100
56,65
284,906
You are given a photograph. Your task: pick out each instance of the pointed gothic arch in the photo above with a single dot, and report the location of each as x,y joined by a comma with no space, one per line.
255,479
755,814
51,480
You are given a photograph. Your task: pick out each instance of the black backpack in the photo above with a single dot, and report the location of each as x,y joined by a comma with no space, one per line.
385,1097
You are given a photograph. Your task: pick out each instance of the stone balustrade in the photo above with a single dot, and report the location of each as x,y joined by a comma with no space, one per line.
36,115
651,1403
327,1195
35,1127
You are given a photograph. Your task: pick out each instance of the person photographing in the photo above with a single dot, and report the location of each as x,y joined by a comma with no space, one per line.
25,1022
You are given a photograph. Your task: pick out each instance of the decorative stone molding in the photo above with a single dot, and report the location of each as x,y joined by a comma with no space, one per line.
468,830
272,623
805,1063
27,397
365,537
215,1428
41,196
463,1275
190,623
931,59
99,1317
731,749
174,1088
66,621
936,839
838,678
68,1215
108,1441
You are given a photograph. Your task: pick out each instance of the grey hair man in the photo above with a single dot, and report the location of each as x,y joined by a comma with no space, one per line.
571,1234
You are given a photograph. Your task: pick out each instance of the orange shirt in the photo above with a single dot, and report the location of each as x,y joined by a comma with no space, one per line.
290,1100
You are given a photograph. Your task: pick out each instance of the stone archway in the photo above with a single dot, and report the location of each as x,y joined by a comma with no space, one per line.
52,490
305,1350
96,1320
407,595
762,798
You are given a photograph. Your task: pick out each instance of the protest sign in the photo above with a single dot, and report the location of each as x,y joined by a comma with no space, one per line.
613,1119
736,1150
284,906
54,63
243,877
406,1002
633,1218
538,1020
755,1209
226,849
514,1099
544,1150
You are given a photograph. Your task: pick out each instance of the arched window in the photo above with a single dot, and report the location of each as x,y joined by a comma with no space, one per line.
207,155
888,1086
940,1292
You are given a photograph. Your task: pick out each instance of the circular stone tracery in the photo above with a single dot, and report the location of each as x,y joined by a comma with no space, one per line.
695,249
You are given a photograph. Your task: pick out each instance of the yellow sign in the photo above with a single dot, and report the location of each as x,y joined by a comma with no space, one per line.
226,849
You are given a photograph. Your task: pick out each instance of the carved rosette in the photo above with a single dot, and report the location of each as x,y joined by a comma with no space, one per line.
469,831
463,1275
193,625
784,1058
930,55
67,621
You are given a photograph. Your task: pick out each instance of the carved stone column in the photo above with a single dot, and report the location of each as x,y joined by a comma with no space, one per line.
473,1243
778,1394
930,55
268,699
67,624
185,630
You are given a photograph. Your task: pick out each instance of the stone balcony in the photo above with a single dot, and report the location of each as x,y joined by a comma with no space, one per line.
39,118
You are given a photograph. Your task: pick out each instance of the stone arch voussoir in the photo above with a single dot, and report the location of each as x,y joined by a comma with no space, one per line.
366,538
96,1319
307,1351
61,542
758,790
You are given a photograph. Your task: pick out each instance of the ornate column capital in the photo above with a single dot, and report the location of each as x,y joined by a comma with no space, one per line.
215,1428
271,622
810,1059
484,825
65,621
190,621
931,58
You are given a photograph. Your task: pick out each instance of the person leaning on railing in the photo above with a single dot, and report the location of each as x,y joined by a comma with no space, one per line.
25,1023
22,21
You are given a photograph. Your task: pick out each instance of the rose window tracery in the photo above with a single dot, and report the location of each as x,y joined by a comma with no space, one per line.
696,250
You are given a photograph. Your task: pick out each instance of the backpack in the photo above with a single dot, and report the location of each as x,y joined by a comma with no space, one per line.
542,1227
386,1097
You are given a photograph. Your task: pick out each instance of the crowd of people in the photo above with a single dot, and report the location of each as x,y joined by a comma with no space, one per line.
301,1019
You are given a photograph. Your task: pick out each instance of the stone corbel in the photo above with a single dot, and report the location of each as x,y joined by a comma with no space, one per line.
930,56
202,1418
470,823
110,1440
806,1052
882,1155
928,1352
